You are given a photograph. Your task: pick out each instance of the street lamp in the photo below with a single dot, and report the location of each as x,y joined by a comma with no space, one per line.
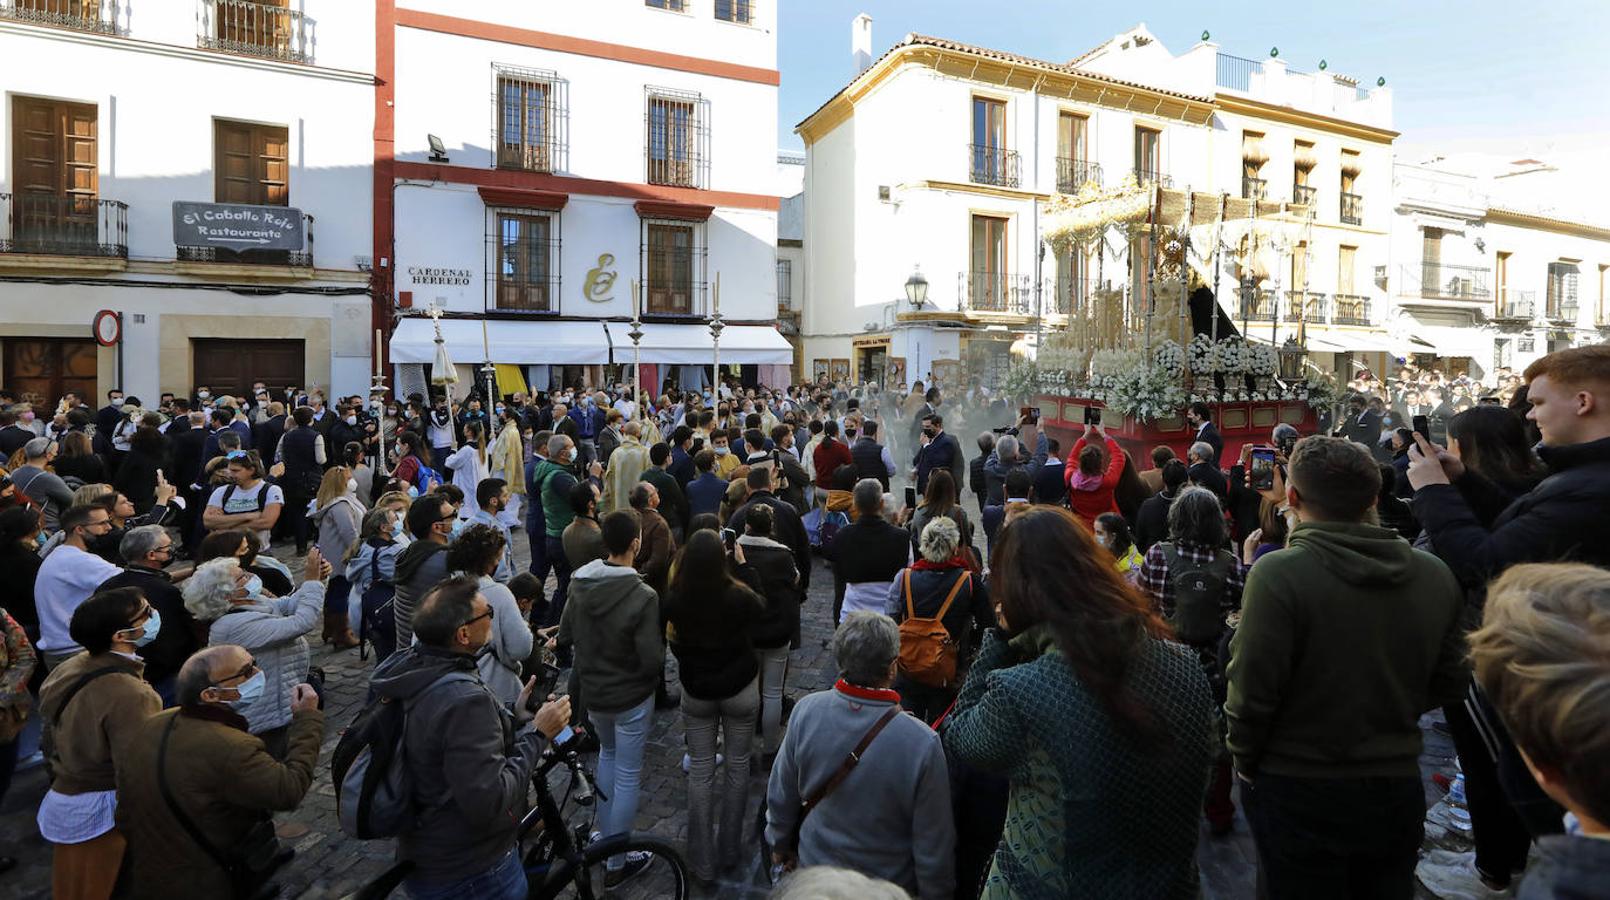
916,289
715,338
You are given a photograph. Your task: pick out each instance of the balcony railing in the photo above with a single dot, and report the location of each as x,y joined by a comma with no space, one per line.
1148,177
1516,305
299,259
1351,309
1304,194
1257,305
996,292
1254,188
1068,296
1072,174
71,225
84,15
254,29
1352,209
1305,305
993,165
1444,282
1235,72
1561,311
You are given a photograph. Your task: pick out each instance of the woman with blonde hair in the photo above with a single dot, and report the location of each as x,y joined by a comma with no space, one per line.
337,513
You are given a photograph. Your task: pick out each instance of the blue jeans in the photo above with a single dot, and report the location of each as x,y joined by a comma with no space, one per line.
621,738
504,881
555,557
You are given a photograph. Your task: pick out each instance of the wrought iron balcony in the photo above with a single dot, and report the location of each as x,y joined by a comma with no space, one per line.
1304,194
1068,296
1257,305
998,292
1444,282
1305,305
1561,311
1515,305
1072,174
1254,188
1235,72
1352,209
64,225
252,28
297,259
83,15
1351,309
993,165
1148,177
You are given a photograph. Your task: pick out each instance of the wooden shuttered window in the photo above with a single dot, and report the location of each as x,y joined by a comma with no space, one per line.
251,164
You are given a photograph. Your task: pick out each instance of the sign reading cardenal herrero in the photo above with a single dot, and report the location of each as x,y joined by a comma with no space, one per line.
237,226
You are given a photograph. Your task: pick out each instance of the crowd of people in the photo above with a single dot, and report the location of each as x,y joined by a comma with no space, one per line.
1046,695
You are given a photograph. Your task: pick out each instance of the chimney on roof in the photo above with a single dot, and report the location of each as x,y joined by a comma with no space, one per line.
861,43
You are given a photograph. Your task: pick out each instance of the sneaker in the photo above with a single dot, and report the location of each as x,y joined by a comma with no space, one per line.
1451,875
636,862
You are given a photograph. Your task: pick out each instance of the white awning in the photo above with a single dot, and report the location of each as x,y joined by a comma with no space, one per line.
518,343
690,345
1349,342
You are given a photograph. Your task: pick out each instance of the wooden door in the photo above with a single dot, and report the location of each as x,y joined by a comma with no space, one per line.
251,163
55,174
229,366
41,370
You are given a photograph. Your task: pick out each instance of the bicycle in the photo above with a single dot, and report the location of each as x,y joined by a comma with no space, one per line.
564,855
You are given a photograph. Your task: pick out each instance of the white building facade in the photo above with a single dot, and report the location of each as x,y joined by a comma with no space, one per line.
255,118
940,157
583,150
1488,279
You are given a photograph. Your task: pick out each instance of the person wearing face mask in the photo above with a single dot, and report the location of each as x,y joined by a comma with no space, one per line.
727,462
106,417
92,706
348,428
371,565
590,422
469,756
556,477
196,773
430,520
147,551
20,536
15,431
337,515
272,630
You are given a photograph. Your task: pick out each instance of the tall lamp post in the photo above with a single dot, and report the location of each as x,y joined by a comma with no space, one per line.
916,295
636,334
715,338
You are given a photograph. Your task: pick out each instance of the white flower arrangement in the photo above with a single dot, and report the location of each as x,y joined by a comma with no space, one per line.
1233,355
1146,393
1203,355
1262,359
1170,357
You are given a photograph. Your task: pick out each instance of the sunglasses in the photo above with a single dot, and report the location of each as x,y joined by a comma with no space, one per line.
236,455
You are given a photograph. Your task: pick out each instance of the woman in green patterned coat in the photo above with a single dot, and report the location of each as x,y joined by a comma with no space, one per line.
1100,724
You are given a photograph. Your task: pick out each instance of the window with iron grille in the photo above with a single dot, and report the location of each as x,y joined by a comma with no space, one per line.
673,267
785,282
527,272
529,119
672,5
676,139
740,11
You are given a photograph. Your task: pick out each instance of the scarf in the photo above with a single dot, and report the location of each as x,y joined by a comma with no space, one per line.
955,562
1082,482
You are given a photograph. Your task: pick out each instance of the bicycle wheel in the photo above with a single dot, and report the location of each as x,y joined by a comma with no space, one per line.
665,877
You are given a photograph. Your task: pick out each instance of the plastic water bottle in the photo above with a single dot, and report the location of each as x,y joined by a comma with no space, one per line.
1458,813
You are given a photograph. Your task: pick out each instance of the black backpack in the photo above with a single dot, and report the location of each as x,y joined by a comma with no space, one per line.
374,794
1198,594
377,622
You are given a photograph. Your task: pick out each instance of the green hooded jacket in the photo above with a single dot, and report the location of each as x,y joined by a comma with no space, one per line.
556,480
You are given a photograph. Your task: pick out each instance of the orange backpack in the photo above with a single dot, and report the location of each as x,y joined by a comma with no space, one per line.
927,654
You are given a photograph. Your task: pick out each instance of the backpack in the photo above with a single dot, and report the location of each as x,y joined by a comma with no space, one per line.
374,794
229,491
927,653
427,479
1198,595
377,623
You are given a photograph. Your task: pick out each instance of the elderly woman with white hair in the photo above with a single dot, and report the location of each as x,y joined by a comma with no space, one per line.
939,587
889,815
273,630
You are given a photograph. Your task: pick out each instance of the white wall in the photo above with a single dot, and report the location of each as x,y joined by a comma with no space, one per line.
694,32
444,86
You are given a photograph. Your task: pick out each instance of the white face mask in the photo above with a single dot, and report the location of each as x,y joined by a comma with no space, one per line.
351,420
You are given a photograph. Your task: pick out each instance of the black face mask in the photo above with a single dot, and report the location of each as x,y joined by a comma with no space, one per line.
928,432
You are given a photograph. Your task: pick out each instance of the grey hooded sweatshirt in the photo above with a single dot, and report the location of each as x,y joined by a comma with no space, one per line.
612,619
470,765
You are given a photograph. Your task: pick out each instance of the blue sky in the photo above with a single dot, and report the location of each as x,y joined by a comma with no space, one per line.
1476,75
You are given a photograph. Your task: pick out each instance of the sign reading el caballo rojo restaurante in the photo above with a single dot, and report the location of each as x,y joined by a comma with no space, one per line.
237,226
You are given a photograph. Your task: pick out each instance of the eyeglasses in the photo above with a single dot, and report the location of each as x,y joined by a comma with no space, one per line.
473,619
140,618
245,672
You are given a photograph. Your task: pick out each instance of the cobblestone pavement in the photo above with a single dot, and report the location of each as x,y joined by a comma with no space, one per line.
328,864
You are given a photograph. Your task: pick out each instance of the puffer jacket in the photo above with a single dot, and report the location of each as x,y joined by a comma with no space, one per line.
338,523
361,567
272,631
779,586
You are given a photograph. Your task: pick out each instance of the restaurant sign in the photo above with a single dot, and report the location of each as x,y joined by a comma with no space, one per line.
237,226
